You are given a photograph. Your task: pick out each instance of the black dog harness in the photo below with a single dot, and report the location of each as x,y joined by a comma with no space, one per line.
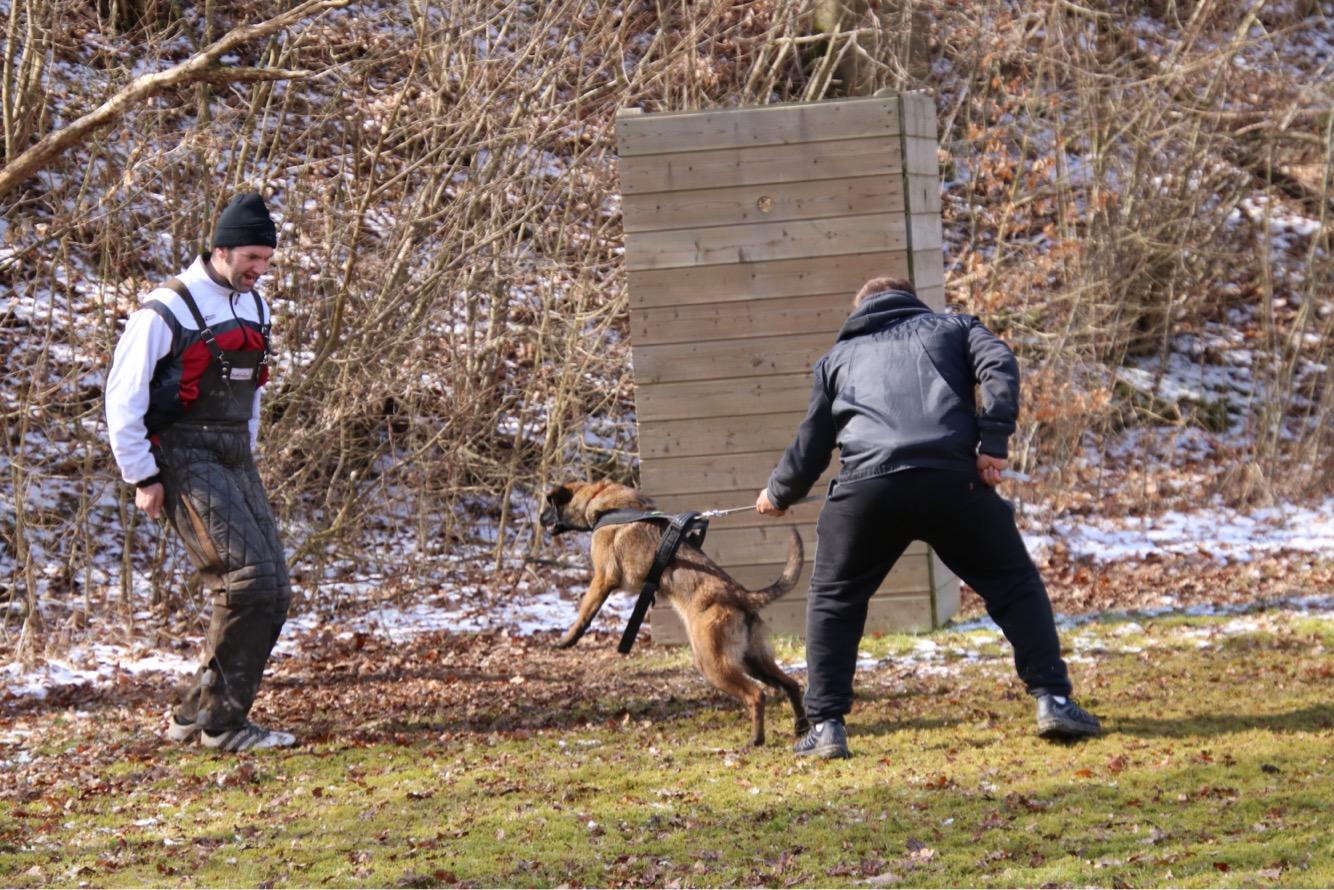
689,527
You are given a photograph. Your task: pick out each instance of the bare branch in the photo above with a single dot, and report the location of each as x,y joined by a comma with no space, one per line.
202,66
250,75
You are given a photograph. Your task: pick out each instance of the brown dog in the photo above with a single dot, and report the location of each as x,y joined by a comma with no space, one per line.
722,618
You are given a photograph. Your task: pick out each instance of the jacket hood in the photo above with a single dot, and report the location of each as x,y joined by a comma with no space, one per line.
881,311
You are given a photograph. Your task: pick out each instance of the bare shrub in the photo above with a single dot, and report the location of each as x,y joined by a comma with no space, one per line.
1103,177
451,314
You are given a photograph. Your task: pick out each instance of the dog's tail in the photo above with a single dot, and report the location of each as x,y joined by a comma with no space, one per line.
796,558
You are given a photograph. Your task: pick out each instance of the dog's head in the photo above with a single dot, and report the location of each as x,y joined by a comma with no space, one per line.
576,506
555,513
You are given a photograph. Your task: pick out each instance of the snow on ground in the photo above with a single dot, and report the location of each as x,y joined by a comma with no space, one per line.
529,612
1226,535
1216,531
99,665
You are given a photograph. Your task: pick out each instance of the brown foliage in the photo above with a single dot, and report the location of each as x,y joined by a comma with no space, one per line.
451,316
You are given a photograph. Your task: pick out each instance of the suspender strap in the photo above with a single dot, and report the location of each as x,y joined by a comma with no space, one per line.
264,328
205,331
175,284
689,526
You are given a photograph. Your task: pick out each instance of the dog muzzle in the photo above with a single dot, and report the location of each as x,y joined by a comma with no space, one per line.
556,524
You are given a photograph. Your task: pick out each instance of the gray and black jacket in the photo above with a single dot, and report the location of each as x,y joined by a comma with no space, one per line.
896,392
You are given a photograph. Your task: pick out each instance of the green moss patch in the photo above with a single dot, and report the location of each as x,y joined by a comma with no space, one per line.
1214,772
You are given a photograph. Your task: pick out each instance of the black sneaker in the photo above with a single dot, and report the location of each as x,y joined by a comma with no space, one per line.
1060,718
827,739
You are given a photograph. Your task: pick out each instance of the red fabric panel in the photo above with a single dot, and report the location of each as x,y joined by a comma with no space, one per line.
196,358
193,362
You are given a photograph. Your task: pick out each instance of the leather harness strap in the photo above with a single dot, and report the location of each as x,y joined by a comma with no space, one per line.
175,284
688,527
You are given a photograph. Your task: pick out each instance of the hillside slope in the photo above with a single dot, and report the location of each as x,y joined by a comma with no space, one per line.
1137,201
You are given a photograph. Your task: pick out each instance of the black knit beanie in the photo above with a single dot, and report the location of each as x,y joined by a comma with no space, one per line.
245,222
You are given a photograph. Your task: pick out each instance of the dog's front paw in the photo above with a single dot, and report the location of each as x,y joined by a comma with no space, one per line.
801,727
571,637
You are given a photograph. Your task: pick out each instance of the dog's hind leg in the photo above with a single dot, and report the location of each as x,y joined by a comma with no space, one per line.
730,678
762,666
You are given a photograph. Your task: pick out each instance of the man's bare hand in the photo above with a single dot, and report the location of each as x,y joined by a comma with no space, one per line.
765,506
990,468
149,499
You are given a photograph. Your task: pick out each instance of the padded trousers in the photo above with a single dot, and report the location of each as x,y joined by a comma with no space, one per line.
864,528
216,503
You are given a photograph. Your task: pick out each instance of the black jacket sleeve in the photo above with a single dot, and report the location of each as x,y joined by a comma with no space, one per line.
997,375
808,455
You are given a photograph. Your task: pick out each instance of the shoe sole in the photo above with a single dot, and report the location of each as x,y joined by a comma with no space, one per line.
223,744
1066,731
827,752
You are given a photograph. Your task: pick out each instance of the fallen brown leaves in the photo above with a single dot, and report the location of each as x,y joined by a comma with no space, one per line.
362,689
1080,587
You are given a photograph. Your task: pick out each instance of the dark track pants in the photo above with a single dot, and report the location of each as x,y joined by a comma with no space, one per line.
217,504
864,528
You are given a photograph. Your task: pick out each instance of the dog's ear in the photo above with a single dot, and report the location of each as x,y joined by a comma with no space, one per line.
559,496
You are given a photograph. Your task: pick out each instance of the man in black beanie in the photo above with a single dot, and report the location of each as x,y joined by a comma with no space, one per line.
183,417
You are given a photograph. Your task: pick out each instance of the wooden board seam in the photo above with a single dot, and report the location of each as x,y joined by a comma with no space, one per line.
733,226
696,341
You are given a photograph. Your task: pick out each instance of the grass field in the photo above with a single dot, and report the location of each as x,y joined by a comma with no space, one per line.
1215,771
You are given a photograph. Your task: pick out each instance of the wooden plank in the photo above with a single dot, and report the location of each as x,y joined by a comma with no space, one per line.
666,629
884,614
756,546
777,124
928,269
723,398
908,576
716,435
743,249
919,114
705,479
728,167
926,233
711,359
767,544
811,238
774,202
670,480
933,297
695,475
920,156
762,281
802,514
922,194
945,589
698,322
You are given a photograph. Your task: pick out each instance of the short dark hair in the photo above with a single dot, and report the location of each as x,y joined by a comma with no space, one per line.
880,286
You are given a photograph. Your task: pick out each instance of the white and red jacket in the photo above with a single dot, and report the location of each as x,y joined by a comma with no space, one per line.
162,355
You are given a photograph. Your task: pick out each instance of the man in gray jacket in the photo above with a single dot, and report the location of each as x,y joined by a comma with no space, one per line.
920,461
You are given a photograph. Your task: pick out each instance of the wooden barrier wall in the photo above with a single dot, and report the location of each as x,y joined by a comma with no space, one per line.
747,232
